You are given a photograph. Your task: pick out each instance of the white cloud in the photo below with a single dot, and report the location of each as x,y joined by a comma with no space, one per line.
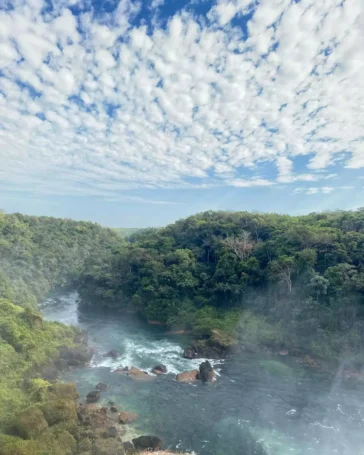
98,105
324,189
241,183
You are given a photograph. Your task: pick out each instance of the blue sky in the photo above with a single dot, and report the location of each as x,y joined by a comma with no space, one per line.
137,113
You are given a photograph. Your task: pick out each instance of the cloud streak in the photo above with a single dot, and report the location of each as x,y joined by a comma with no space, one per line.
105,103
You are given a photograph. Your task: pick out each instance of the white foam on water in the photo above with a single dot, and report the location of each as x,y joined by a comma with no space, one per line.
146,355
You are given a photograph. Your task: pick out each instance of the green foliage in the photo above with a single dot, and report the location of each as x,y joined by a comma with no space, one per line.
23,349
125,232
39,254
60,410
30,423
300,279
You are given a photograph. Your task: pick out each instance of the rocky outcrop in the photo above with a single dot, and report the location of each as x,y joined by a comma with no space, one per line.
207,373
93,396
113,354
135,373
159,369
216,346
187,376
147,443
76,356
189,353
101,387
127,417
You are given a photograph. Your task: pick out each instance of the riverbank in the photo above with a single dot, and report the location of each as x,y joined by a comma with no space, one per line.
257,396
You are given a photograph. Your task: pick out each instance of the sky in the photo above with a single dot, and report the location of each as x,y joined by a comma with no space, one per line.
138,113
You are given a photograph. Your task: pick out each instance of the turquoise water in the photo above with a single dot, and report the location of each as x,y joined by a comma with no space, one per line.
258,405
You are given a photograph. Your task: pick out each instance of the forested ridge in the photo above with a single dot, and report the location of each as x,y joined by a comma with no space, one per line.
269,279
38,255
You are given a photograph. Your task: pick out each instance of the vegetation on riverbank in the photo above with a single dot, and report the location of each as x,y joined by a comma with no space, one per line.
267,279
37,255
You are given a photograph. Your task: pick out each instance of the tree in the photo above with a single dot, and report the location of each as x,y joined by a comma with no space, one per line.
241,246
319,285
283,268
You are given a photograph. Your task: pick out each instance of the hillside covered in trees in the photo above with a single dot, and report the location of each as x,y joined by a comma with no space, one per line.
267,279
38,255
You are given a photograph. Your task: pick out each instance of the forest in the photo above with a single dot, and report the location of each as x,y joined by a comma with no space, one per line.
265,279
38,255
262,280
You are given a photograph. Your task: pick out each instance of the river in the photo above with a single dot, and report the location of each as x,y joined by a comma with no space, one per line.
258,404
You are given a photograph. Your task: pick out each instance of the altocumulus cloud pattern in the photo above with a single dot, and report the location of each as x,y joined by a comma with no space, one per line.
102,97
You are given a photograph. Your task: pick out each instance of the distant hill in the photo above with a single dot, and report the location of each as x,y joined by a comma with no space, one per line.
124,232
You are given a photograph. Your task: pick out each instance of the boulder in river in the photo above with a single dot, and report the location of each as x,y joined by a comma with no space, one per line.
147,443
113,354
187,376
127,417
159,369
207,373
135,373
93,396
101,387
189,353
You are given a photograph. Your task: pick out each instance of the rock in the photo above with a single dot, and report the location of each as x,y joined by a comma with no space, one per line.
30,423
66,390
75,357
189,353
135,373
159,369
147,443
101,387
60,410
126,369
187,376
127,417
128,447
111,432
207,373
204,349
217,346
113,354
93,396
108,446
